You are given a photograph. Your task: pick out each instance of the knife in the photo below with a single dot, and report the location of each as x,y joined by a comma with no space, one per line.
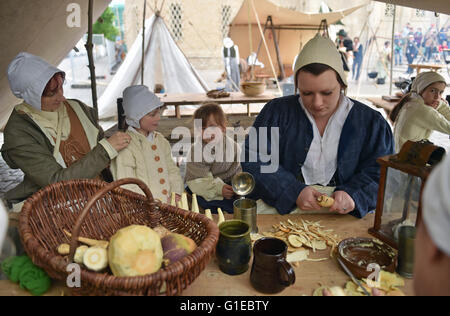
350,274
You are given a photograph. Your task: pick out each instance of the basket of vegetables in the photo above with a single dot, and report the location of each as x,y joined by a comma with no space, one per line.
124,243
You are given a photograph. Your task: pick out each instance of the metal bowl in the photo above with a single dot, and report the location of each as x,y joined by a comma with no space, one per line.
358,253
243,183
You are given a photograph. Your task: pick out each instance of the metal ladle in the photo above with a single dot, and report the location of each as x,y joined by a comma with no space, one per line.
243,183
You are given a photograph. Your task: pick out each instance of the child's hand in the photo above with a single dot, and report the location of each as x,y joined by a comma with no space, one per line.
227,191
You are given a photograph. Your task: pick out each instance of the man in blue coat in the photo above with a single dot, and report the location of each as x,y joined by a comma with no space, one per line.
324,139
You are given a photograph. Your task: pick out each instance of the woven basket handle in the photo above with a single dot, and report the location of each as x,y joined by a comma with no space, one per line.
94,199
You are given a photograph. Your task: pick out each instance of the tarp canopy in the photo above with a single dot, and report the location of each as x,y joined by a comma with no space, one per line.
293,29
164,63
38,27
440,6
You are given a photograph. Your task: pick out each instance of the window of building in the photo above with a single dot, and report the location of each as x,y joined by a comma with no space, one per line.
420,13
389,10
176,21
226,19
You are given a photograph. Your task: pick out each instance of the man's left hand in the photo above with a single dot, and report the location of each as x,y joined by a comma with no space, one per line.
343,203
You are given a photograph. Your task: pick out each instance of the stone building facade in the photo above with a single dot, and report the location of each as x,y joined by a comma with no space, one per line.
199,26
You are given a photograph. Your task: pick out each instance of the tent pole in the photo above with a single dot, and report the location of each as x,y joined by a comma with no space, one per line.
89,47
261,41
267,48
143,43
392,51
274,35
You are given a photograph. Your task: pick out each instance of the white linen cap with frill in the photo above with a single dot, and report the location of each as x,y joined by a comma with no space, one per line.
138,101
436,205
320,50
28,75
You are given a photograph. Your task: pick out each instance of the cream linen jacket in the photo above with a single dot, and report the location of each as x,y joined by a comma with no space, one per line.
416,121
151,162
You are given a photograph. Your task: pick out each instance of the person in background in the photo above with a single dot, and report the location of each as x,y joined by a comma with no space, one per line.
411,52
209,176
345,47
327,143
421,111
432,247
149,155
384,61
398,49
51,138
418,36
358,53
230,54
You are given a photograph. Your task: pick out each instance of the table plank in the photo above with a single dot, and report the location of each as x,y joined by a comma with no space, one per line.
388,106
180,99
309,275
419,67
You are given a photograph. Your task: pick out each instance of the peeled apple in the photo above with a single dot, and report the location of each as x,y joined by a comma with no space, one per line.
134,251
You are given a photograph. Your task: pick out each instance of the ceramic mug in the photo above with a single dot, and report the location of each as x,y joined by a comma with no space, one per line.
271,273
234,247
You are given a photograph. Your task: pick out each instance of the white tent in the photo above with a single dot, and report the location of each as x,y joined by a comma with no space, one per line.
440,6
39,27
164,63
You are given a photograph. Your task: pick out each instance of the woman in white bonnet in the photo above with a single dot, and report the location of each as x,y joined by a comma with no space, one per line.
432,247
421,111
327,144
51,138
149,156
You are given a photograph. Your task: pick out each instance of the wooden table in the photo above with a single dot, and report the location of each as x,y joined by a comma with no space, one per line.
419,67
387,106
179,99
309,275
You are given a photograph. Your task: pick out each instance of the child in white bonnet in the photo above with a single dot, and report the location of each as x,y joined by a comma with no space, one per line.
148,157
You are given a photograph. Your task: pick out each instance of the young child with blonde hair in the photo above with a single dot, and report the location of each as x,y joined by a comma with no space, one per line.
208,178
148,156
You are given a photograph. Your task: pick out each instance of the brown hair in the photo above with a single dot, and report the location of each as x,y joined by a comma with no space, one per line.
52,85
208,109
396,110
317,69
406,98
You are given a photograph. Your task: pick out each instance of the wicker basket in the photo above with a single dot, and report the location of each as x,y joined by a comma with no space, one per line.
95,209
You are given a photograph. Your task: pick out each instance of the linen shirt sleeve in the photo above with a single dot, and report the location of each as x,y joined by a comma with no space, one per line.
435,119
209,188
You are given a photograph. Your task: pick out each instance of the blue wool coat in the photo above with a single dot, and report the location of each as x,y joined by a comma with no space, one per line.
365,136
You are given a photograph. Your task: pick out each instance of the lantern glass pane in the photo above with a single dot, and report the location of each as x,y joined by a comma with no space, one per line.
401,201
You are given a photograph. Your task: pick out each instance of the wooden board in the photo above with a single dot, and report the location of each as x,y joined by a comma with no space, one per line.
309,275
180,99
387,106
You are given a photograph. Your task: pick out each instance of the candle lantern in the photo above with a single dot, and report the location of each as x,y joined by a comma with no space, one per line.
402,179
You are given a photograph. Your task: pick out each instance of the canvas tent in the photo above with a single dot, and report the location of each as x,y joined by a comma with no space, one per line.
164,63
39,27
440,6
293,29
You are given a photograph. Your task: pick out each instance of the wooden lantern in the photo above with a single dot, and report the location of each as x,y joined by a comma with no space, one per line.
402,180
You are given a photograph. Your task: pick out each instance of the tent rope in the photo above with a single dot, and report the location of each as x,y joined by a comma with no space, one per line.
265,45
